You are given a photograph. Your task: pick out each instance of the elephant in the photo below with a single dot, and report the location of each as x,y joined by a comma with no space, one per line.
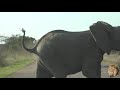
62,52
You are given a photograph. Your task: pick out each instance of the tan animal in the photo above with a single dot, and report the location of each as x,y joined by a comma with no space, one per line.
113,70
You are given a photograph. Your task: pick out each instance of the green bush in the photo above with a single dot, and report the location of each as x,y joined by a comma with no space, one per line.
12,50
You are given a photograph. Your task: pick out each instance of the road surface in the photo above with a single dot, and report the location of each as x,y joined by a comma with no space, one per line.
30,70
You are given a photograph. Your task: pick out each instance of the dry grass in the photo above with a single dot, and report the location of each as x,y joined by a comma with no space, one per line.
111,59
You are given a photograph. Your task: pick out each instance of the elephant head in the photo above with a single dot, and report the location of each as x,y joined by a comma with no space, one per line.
102,34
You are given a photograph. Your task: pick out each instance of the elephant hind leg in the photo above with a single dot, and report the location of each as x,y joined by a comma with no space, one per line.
60,73
42,73
60,76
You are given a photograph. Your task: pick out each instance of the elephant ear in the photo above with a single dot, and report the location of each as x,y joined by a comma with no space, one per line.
101,34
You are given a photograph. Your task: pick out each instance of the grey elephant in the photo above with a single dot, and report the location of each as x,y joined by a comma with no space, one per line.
62,53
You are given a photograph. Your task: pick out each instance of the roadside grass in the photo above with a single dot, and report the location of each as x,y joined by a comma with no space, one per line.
5,71
15,64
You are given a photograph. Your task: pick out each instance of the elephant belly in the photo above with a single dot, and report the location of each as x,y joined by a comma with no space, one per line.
61,60
63,54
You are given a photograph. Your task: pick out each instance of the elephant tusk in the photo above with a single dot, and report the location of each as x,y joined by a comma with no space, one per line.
93,36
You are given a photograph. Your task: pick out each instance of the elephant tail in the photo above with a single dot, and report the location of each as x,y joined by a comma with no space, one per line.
32,50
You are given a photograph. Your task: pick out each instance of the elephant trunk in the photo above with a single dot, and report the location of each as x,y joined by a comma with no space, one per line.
33,50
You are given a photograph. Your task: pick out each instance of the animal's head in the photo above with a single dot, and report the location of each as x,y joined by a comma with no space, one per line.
113,66
106,36
113,70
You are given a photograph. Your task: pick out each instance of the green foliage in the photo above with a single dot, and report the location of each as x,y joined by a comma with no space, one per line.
13,48
2,38
15,42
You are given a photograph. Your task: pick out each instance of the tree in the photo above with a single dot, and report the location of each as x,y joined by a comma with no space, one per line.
13,44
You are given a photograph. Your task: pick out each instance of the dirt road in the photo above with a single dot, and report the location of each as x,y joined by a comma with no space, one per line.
29,72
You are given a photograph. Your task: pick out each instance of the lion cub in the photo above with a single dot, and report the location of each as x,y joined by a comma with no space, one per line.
113,70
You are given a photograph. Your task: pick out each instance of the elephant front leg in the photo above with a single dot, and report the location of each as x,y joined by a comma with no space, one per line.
91,67
91,71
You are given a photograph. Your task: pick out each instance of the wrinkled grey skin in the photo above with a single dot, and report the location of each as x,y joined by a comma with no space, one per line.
62,53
